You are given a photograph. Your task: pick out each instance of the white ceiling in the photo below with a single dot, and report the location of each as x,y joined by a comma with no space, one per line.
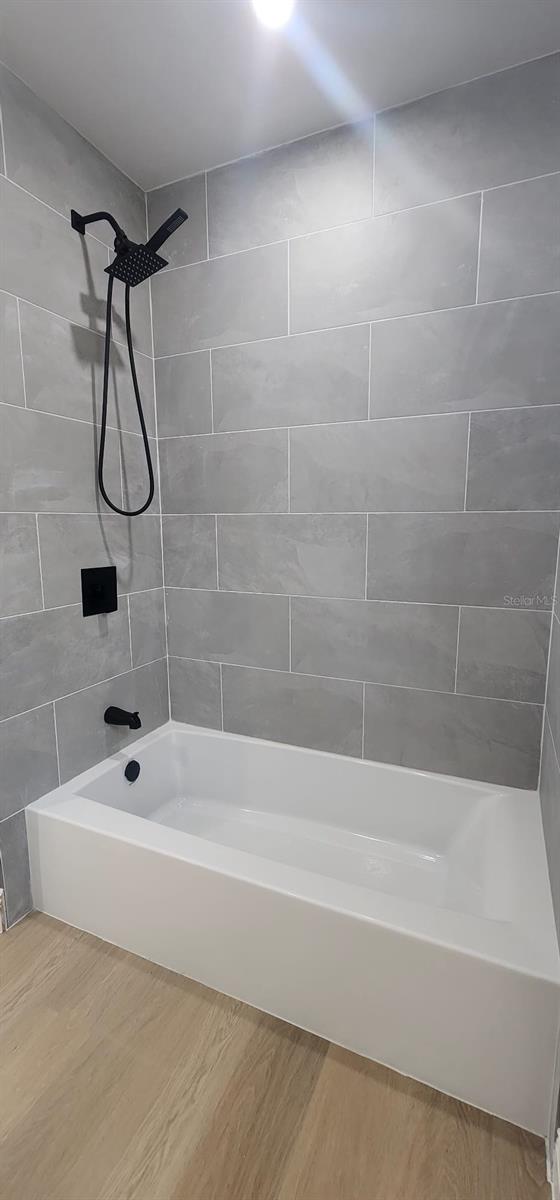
166,88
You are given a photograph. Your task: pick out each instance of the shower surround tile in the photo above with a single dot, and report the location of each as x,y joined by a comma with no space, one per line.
189,243
189,551
20,577
492,131
51,160
520,246
226,472
514,460
489,356
64,372
11,376
497,741
410,464
221,302
52,653
83,737
495,560
415,261
184,394
300,380
147,627
503,653
14,867
309,555
47,462
69,543
310,184
405,644
195,692
324,714
229,627
28,756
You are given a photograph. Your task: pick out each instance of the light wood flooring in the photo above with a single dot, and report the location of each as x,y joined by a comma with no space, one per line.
122,1081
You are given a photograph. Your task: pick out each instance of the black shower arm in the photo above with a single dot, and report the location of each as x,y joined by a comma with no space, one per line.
79,224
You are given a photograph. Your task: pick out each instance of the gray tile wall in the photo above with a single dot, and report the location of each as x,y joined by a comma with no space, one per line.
357,365
550,765
58,671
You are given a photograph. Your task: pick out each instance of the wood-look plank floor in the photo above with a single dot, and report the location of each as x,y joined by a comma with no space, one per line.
122,1081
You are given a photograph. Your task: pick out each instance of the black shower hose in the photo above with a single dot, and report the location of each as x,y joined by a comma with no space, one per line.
123,512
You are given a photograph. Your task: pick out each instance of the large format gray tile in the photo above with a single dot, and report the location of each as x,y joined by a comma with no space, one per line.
494,130
411,644
189,551
64,372
553,688
221,302
54,162
83,737
188,243
298,555
325,714
503,653
69,543
514,460
495,560
58,269
147,627
313,183
50,463
416,464
550,809
520,243
488,356
140,315
494,740
387,267
28,756
228,627
135,480
225,472
11,376
299,380
184,394
195,692
14,867
20,578
49,654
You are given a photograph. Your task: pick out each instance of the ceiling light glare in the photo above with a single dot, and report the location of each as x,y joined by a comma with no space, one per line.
273,13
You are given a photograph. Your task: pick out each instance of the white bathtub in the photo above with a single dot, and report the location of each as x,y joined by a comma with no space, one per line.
404,915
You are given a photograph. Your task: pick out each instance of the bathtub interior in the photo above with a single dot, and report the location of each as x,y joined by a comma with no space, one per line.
440,841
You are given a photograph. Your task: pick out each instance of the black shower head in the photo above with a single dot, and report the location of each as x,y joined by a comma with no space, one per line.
133,263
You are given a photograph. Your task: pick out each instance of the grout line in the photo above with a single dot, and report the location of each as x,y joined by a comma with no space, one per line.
87,688
129,632
383,512
45,204
406,687
369,417
556,753
457,650
479,247
289,469
56,742
406,316
3,142
21,352
363,717
77,324
549,656
221,696
39,557
367,556
207,220
350,599
467,467
373,165
159,476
